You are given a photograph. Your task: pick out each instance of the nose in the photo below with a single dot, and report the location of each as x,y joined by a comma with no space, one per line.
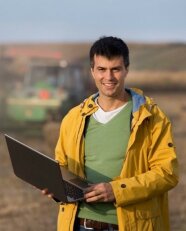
109,75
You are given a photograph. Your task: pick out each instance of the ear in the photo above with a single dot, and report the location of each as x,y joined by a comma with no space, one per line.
127,71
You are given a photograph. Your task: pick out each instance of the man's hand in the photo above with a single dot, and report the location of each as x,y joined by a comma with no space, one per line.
47,193
99,193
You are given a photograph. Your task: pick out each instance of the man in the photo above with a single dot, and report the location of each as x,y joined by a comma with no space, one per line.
119,140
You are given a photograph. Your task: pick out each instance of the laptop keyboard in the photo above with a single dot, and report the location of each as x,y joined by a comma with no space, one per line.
73,191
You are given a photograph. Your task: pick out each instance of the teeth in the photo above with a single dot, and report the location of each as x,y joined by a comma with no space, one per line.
109,84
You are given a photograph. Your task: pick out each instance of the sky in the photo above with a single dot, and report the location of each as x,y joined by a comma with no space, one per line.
85,21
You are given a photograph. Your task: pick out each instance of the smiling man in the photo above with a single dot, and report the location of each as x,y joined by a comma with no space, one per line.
109,76
121,142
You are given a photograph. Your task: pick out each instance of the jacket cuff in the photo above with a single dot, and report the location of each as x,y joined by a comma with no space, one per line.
119,189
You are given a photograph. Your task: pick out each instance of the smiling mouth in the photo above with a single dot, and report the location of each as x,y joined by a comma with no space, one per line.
109,84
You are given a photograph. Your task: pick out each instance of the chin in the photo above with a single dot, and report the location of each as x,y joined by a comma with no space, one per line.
111,95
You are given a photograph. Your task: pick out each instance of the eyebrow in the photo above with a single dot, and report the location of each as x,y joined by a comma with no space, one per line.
115,67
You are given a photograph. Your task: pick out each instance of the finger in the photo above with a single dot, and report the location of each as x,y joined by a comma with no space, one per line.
90,188
50,195
100,192
90,194
93,196
97,198
95,190
45,191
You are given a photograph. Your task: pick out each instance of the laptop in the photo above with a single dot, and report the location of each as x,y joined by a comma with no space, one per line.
44,172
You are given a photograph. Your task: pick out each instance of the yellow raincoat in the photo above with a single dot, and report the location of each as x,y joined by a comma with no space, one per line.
150,168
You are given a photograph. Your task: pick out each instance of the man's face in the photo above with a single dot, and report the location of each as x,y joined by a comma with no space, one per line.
109,75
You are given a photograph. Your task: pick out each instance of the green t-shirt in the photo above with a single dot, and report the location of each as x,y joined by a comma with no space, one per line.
105,147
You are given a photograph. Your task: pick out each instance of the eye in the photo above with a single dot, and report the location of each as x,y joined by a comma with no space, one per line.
116,69
101,69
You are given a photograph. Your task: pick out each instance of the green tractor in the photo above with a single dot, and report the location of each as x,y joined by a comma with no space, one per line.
47,92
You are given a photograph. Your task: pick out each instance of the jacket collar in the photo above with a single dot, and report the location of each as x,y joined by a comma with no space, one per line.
137,98
141,104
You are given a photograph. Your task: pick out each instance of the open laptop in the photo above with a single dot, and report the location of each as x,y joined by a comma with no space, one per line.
44,172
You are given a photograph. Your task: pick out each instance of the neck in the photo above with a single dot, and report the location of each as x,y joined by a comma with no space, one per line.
110,103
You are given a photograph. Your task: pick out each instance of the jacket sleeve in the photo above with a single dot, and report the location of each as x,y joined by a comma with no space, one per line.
60,155
162,173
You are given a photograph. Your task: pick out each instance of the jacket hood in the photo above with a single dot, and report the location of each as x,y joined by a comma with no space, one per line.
138,100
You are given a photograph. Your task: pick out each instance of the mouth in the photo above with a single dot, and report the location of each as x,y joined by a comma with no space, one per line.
109,84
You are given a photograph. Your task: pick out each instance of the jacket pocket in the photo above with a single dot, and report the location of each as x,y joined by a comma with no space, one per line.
148,219
145,216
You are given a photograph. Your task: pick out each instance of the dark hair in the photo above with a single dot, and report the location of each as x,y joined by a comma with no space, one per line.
109,47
